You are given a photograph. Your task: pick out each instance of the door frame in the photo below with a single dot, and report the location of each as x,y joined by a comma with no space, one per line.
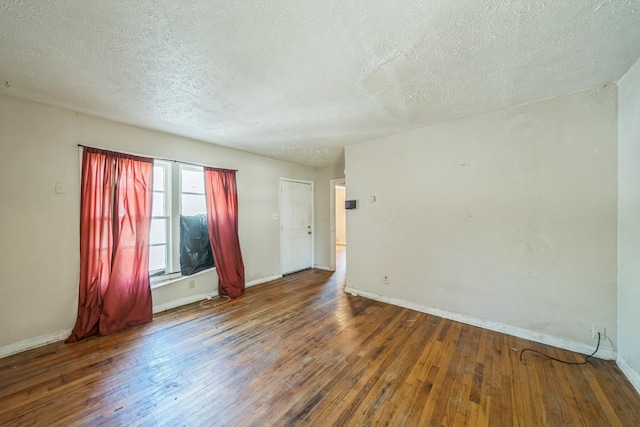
332,219
313,224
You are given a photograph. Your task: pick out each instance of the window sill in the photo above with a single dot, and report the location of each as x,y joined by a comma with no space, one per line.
162,283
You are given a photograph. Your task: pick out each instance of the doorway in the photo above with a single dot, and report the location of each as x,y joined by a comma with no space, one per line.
296,225
338,236
341,216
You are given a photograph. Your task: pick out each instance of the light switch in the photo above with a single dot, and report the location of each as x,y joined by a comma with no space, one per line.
61,188
372,199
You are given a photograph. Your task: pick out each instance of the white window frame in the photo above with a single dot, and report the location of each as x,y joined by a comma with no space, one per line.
173,174
187,167
167,215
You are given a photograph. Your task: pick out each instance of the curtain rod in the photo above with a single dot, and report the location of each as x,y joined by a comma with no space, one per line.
159,158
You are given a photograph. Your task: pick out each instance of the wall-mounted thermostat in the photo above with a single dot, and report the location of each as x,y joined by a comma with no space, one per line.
351,204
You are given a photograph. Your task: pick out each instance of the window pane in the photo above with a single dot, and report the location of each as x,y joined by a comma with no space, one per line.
157,257
192,181
157,208
193,204
158,178
158,234
195,248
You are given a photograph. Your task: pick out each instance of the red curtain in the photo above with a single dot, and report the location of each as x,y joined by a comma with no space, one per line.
115,219
222,221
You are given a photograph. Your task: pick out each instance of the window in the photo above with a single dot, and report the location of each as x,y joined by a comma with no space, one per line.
192,198
195,248
160,236
179,241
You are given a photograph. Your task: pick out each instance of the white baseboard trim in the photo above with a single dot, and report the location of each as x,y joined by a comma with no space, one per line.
527,334
28,344
263,280
323,267
181,301
35,342
201,297
632,375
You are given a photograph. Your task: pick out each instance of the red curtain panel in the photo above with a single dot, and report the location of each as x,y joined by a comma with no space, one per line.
96,240
222,221
127,300
115,217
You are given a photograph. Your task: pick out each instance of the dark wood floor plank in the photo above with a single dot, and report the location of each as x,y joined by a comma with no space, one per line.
299,351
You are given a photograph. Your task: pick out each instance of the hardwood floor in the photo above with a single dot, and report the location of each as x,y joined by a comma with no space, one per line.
299,351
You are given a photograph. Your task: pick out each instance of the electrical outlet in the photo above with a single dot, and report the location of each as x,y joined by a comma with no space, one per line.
598,329
386,279
192,284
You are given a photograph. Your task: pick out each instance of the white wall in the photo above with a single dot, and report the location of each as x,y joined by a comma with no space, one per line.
629,224
341,218
506,219
39,228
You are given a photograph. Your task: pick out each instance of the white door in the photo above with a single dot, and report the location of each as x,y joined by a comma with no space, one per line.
296,227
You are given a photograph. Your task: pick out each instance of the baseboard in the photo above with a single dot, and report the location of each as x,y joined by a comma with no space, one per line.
31,343
632,375
493,326
195,298
181,301
263,280
28,344
323,267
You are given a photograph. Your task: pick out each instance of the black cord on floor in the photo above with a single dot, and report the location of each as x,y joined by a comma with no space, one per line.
558,360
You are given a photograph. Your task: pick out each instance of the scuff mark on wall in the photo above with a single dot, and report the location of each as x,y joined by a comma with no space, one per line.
521,126
532,257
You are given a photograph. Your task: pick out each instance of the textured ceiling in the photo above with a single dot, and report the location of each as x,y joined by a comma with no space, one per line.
299,80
